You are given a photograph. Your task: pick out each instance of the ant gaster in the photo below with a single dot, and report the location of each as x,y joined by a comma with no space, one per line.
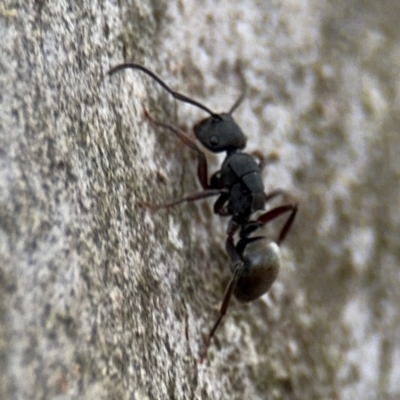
255,260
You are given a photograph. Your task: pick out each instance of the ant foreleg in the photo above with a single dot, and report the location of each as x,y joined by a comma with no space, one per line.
202,168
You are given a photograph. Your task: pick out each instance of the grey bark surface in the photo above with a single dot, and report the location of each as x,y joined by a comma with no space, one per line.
101,299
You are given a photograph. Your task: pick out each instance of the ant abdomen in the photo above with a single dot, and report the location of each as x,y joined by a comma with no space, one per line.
261,262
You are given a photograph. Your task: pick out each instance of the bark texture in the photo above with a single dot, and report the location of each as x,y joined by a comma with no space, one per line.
101,299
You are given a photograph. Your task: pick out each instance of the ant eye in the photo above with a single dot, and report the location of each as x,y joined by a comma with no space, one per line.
214,140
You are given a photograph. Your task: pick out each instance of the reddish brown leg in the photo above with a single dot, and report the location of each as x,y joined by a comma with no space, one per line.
222,311
277,212
219,205
279,192
230,245
236,265
191,197
202,168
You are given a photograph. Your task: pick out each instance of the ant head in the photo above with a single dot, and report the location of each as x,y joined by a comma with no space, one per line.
217,133
261,260
220,133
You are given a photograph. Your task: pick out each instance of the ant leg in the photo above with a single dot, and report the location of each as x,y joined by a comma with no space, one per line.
202,168
280,192
236,266
219,205
223,309
231,250
275,213
191,197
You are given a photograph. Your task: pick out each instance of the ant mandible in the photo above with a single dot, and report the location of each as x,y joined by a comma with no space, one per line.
255,261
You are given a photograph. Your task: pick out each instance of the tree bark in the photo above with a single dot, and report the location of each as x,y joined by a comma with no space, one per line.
101,298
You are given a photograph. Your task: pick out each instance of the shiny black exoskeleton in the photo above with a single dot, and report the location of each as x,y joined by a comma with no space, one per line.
255,261
239,173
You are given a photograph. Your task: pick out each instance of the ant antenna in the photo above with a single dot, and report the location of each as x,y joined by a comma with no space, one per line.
237,103
176,95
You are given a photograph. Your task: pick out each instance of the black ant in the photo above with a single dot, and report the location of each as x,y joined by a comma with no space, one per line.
255,260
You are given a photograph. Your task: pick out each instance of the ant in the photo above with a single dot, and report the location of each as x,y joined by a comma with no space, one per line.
255,261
